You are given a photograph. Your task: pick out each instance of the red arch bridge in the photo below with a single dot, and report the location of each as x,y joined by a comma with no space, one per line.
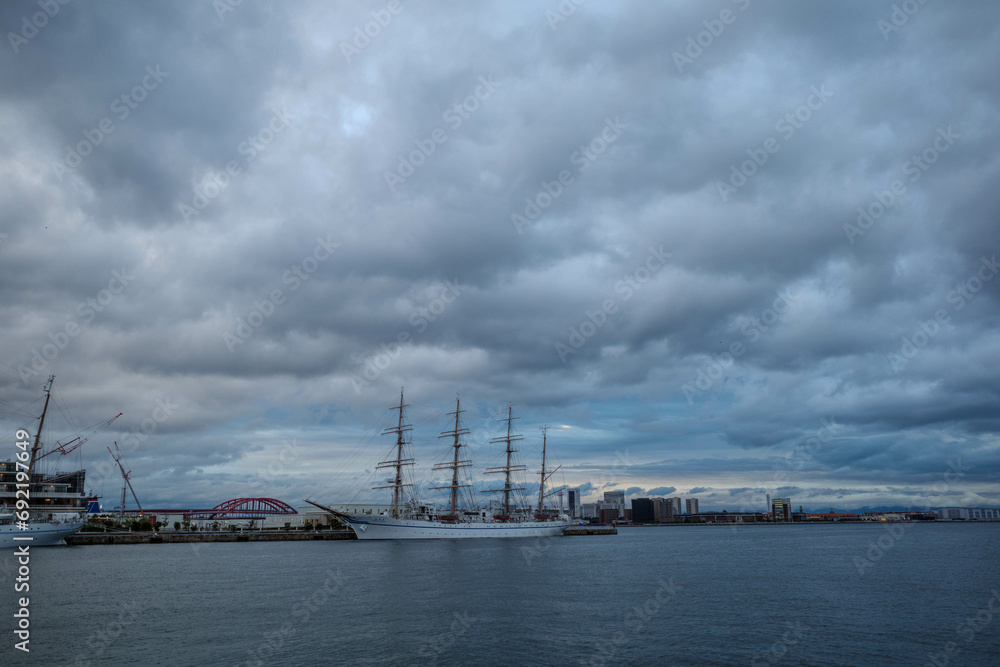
242,508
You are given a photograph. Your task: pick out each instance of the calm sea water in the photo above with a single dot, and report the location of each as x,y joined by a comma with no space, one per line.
777,595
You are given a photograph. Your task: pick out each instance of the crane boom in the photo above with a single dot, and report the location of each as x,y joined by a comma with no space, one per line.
125,476
64,447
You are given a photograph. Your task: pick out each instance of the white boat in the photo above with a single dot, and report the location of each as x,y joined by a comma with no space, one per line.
421,521
37,533
382,527
37,509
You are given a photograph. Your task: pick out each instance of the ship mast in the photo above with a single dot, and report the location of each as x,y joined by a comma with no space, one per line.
541,483
41,422
507,469
542,475
396,483
456,464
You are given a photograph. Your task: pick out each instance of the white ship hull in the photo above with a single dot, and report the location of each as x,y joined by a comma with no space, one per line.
377,527
44,534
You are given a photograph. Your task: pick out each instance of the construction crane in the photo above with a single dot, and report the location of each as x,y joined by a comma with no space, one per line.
65,448
126,483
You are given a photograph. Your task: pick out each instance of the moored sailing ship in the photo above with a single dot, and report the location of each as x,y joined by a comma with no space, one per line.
413,520
56,503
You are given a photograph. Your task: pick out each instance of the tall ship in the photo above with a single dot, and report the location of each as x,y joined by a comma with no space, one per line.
56,503
412,520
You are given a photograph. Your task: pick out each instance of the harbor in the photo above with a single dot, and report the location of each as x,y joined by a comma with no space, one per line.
92,539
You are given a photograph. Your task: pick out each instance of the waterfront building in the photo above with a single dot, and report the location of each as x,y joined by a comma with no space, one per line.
574,503
692,505
588,511
781,509
676,507
663,510
968,514
642,510
615,499
608,515
620,509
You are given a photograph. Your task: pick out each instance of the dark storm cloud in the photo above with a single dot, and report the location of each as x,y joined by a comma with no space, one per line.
303,222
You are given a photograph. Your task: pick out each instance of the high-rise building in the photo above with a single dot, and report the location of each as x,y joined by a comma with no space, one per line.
692,505
663,510
588,510
615,499
675,506
781,509
642,510
574,503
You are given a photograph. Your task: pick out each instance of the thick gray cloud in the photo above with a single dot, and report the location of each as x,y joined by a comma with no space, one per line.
688,252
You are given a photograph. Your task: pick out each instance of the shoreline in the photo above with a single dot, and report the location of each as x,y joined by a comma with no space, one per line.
87,539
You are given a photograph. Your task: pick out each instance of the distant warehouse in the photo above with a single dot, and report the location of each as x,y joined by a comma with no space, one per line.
968,514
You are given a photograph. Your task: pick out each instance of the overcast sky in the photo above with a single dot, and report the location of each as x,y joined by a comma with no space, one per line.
723,248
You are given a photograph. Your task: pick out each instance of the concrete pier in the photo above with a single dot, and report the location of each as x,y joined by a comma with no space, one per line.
81,539
590,530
